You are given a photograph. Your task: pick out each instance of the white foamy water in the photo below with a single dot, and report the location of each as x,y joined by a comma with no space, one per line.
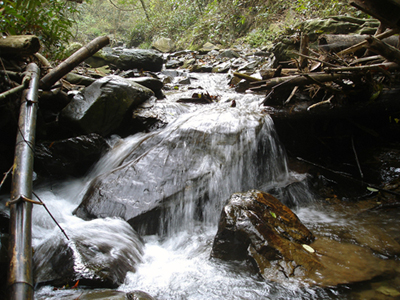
177,264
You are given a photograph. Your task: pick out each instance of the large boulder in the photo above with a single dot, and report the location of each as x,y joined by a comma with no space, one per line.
256,226
174,175
128,59
98,254
164,45
69,157
103,105
260,221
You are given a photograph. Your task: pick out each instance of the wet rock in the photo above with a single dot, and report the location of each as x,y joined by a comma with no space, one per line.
69,157
99,254
229,54
189,62
222,67
138,295
149,183
242,86
127,59
102,106
201,68
185,81
261,221
153,84
207,47
164,45
256,225
173,64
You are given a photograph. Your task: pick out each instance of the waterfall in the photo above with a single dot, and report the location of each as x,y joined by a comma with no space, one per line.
180,176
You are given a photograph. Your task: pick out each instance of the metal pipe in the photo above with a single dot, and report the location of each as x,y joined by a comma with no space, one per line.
20,277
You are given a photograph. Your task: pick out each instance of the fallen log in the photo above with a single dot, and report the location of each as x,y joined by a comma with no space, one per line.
270,73
383,67
71,62
300,80
19,45
380,47
338,42
246,77
362,44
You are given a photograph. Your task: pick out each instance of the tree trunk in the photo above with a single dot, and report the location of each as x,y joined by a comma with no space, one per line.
145,10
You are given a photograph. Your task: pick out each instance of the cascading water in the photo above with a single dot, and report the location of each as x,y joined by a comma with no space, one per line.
186,171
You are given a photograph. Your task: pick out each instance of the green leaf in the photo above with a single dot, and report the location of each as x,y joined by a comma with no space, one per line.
273,214
372,189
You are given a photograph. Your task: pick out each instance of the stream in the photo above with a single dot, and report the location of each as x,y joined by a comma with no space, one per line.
206,152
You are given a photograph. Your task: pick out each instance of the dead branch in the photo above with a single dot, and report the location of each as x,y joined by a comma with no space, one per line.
380,47
247,77
300,80
328,101
303,62
362,44
383,67
291,95
71,62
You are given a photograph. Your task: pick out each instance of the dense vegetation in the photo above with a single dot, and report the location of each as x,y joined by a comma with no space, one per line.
138,22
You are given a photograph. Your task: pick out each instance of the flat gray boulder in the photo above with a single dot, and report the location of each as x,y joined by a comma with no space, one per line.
128,59
103,105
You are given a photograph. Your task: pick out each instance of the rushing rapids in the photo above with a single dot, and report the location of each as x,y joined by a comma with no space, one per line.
171,185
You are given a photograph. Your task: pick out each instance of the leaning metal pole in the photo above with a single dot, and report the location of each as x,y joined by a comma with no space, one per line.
20,277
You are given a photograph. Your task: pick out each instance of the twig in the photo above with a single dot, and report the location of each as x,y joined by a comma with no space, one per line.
313,58
5,176
356,156
328,101
264,102
291,95
350,177
21,87
367,59
55,221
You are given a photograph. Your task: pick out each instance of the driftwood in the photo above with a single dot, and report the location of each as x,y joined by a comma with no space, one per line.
19,45
380,47
71,62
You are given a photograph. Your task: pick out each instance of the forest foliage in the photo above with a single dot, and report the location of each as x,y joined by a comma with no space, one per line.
137,23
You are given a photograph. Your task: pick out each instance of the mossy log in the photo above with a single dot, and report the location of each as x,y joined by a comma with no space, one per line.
19,45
